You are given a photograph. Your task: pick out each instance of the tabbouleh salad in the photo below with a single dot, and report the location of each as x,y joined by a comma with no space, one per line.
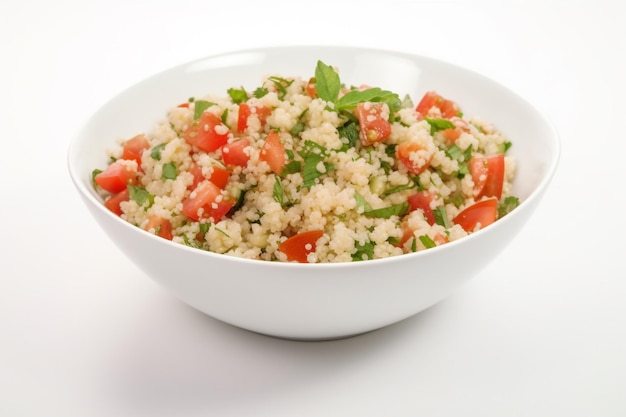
311,170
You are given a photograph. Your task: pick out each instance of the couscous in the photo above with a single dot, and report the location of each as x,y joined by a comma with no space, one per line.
311,170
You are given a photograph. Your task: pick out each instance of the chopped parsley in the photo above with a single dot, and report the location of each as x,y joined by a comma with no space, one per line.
169,171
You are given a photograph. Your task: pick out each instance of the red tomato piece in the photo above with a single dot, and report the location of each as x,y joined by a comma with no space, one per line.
116,177
297,247
245,111
414,166
311,90
273,152
198,176
374,125
234,153
208,197
160,226
113,202
422,200
482,213
208,133
448,108
219,176
134,147
488,175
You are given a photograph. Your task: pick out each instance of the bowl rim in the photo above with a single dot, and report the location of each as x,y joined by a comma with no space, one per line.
537,191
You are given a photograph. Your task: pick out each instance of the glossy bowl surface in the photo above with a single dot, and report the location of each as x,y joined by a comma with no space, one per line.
319,301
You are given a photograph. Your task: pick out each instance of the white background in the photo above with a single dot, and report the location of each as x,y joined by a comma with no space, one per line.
540,332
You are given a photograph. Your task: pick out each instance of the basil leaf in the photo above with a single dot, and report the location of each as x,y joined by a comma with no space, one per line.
387,212
327,82
155,153
169,171
200,107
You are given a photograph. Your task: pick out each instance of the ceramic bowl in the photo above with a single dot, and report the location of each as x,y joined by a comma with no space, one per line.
316,301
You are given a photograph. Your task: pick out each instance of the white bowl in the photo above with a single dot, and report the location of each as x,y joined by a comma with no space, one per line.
316,301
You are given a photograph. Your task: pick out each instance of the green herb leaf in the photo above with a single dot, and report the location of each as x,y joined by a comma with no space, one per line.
399,188
427,241
376,94
312,154
282,84
140,195
200,107
155,153
93,177
327,82
204,228
360,202
363,252
299,126
386,212
238,95
507,205
439,124
291,168
278,192
441,217
169,171
260,92
350,132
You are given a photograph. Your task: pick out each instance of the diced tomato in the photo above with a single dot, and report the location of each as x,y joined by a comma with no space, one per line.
162,227
245,111
234,153
484,213
208,197
432,99
208,133
134,147
273,152
374,125
297,247
198,176
488,175
452,135
219,176
184,105
422,200
311,90
413,165
116,177
113,202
